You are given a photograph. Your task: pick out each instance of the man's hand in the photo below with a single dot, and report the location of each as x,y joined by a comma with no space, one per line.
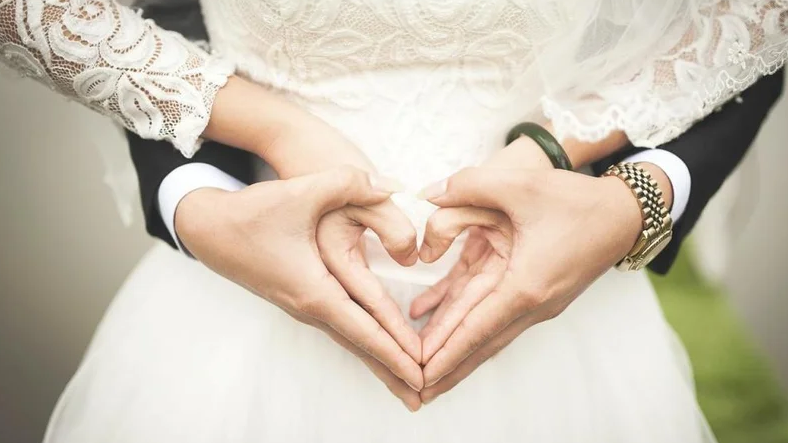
264,238
539,238
341,246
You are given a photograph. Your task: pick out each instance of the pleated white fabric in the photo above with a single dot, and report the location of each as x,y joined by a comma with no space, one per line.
184,355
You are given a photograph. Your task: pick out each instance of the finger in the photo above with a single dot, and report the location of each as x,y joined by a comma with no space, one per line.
480,356
484,322
333,189
445,224
447,322
473,251
393,227
476,252
397,387
430,298
346,317
451,297
366,290
479,187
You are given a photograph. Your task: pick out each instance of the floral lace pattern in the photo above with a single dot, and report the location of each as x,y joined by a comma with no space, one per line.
730,45
293,45
106,56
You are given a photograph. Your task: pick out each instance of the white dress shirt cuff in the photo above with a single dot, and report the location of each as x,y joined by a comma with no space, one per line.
185,179
677,173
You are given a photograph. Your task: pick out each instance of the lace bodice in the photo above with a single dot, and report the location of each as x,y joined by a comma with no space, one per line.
667,63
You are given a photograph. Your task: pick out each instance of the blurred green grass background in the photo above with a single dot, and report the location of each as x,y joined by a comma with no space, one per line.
736,388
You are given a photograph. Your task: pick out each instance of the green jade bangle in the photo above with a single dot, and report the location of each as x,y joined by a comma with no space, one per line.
545,140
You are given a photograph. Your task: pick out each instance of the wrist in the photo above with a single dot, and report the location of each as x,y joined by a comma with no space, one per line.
196,214
625,215
656,224
584,153
523,153
248,116
308,145
663,182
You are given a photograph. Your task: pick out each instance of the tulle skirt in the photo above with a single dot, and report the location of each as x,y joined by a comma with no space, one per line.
185,356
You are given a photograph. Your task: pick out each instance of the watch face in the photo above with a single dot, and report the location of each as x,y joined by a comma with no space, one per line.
652,250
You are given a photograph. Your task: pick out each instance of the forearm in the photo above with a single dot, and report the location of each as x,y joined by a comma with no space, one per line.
584,153
247,116
290,139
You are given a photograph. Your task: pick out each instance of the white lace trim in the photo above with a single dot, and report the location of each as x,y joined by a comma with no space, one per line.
107,57
652,111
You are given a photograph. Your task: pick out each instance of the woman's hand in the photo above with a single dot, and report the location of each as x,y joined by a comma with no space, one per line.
265,238
540,238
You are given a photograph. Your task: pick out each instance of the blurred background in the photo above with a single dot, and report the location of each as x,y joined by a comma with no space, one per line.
65,251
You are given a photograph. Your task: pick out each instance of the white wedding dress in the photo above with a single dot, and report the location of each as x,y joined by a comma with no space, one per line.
424,88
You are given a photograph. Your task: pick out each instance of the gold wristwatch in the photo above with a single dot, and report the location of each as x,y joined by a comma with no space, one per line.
657,224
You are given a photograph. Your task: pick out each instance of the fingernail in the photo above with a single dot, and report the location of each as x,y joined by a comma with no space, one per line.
386,184
410,408
433,191
430,380
413,387
425,253
414,257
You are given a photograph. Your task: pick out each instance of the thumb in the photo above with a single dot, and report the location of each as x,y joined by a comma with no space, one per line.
393,227
446,224
480,187
342,186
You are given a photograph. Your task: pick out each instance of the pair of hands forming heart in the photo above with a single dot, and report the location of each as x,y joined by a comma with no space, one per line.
538,238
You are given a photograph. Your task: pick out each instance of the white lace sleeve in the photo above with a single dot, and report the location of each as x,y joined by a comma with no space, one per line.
106,56
722,48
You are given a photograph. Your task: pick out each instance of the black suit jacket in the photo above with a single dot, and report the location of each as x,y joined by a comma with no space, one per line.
711,149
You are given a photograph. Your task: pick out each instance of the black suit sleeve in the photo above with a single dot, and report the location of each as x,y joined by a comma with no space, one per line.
154,160
711,149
